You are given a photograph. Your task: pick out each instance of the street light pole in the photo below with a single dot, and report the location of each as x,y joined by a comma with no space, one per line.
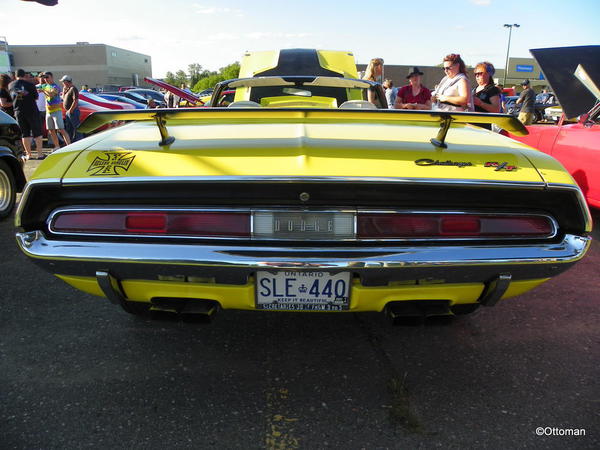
510,27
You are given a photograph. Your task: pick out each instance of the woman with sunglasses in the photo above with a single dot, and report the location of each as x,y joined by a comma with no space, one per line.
486,96
453,93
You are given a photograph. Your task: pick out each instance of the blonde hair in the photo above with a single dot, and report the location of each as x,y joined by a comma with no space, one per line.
370,70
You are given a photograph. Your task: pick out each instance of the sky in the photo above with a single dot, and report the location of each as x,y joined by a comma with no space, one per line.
176,33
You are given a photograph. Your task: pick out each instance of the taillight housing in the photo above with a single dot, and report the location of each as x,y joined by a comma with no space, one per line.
157,223
302,225
449,226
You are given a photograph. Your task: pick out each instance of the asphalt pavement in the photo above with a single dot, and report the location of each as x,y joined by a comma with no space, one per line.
77,372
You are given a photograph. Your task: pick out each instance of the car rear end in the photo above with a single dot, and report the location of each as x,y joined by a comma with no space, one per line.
303,212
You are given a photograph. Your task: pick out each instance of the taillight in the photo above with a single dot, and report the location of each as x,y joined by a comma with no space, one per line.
303,225
441,225
146,222
163,223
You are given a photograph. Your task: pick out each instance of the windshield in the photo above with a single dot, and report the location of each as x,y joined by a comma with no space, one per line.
136,96
148,93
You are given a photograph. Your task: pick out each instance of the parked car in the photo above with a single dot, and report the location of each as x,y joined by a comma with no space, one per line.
139,98
105,103
121,98
553,114
510,103
302,196
187,99
575,145
205,93
12,177
542,102
149,93
86,108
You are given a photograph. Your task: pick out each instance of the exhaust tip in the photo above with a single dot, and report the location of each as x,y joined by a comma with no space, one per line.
417,312
191,310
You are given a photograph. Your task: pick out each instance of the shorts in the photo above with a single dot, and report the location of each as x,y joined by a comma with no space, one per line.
526,118
29,123
54,120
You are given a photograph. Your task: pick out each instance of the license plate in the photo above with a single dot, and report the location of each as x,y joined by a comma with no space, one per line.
303,291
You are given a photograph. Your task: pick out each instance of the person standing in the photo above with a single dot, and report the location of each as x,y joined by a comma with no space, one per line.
71,104
527,99
502,97
171,100
41,101
374,72
486,96
453,93
6,103
41,104
54,117
414,95
24,96
390,92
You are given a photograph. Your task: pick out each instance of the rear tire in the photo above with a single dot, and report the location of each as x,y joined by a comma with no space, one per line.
8,193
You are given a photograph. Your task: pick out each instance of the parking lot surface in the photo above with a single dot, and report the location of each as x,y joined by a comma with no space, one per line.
78,372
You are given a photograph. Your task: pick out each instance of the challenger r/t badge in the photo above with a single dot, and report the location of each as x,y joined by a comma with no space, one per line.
500,166
113,164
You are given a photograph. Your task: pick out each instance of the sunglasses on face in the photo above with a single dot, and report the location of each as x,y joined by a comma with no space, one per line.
448,67
479,74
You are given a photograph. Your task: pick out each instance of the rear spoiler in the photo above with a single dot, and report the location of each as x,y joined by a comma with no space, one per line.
258,115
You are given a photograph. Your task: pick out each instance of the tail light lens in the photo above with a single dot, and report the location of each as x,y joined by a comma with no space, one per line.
406,226
369,225
165,223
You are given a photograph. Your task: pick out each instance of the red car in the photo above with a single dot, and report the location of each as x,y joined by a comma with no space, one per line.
574,75
86,108
99,101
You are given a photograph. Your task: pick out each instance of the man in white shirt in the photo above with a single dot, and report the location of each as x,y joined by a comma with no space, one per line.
41,104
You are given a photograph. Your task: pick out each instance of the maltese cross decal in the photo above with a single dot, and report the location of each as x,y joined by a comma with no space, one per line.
113,164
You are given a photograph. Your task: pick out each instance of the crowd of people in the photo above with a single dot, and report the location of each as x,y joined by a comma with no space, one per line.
37,100
453,92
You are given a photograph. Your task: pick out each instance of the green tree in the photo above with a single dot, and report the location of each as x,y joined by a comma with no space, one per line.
194,73
231,71
170,78
211,78
180,78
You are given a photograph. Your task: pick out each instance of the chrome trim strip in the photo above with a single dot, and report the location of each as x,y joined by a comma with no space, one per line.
251,211
35,245
296,179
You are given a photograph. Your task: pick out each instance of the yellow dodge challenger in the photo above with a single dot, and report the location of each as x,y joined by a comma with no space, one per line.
302,196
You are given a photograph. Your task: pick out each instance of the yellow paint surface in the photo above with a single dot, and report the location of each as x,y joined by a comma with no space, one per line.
243,297
297,148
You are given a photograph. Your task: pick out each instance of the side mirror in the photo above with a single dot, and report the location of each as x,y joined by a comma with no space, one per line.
583,118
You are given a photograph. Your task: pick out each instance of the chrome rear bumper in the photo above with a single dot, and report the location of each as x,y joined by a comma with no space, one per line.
234,264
